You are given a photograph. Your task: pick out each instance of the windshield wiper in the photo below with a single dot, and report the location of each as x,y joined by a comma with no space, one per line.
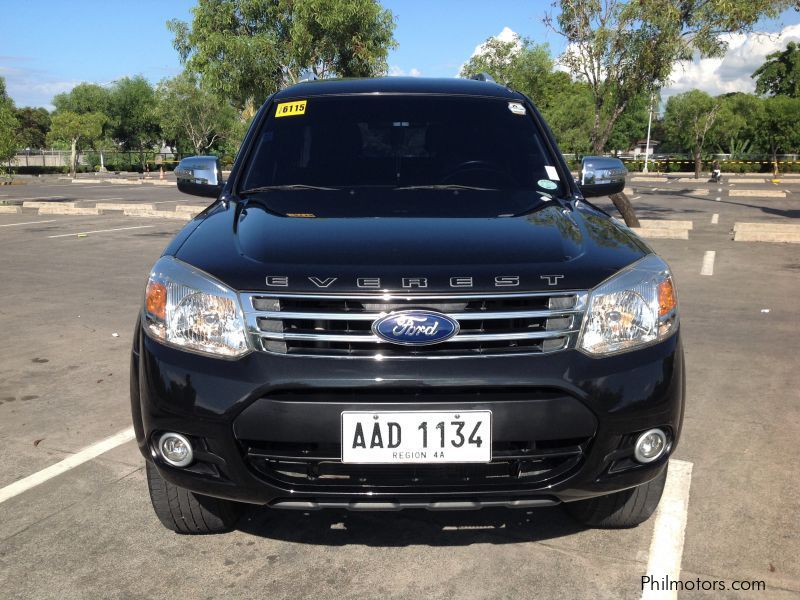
444,186
288,188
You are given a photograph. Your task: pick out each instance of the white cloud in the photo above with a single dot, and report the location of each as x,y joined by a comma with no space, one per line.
395,71
730,73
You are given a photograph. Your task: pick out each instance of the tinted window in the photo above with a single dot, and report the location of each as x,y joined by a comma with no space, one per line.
399,141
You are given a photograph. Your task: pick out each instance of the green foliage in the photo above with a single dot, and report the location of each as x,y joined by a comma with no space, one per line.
192,119
626,49
569,114
631,126
78,130
84,98
8,126
780,74
688,122
736,123
778,128
348,38
33,125
518,63
245,50
132,106
528,67
688,118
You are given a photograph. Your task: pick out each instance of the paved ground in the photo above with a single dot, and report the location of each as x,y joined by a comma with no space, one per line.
67,309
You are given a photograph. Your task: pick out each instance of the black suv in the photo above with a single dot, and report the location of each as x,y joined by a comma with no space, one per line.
400,298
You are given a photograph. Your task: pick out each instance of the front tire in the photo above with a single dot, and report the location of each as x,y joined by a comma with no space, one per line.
185,512
620,510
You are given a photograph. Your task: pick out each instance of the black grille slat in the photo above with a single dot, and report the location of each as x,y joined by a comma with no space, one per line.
511,465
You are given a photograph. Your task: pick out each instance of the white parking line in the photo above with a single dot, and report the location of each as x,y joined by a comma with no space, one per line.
666,546
67,464
28,223
708,263
714,219
98,231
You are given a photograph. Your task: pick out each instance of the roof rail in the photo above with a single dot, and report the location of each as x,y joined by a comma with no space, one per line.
483,77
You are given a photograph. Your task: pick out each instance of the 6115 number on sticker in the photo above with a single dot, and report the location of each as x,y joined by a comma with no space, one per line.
291,109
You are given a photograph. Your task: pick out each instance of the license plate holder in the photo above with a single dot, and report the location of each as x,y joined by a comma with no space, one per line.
416,437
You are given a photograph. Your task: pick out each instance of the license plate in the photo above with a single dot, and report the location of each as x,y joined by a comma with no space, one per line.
417,437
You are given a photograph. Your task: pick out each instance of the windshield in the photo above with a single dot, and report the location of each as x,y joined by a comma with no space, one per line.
442,146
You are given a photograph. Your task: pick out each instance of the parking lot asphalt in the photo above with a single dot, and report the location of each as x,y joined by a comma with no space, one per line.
71,289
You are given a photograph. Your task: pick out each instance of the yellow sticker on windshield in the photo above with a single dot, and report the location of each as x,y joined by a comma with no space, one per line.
291,109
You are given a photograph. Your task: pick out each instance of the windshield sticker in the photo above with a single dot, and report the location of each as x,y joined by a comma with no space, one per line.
516,108
551,172
547,184
291,109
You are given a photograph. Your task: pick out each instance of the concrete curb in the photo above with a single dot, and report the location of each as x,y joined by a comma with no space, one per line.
766,232
163,214
122,206
62,209
662,224
766,236
190,208
125,181
41,203
757,193
651,179
86,180
661,232
10,210
780,227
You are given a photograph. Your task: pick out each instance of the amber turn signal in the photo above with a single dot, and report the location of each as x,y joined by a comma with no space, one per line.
156,300
667,300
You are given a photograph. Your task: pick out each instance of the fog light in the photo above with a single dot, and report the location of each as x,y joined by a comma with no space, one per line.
650,446
175,449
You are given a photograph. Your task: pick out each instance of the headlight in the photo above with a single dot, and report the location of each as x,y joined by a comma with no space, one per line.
190,309
636,307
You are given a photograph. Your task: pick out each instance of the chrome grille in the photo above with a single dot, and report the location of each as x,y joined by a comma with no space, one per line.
340,325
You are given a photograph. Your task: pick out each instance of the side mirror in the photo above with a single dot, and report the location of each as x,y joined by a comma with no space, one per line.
199,176
601,176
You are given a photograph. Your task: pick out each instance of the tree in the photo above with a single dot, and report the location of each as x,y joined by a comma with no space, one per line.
34,123
568,117
688,118
90,98
192,116
778,128
523,65
84,98
780,73
623,49
132,107
76,130
632,123
245,50
736,123
8,126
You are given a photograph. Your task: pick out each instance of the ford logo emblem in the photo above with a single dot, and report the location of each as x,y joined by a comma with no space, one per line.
415,327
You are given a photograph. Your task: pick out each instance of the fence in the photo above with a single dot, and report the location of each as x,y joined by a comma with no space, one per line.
39,161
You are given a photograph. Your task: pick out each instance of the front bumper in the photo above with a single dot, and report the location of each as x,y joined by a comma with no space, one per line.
266,426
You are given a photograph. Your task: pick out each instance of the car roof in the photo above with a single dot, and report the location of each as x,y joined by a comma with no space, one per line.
397,85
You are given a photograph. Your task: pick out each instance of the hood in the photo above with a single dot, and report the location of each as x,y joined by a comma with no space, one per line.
553,248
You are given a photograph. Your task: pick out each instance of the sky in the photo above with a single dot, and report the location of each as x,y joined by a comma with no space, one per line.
47,47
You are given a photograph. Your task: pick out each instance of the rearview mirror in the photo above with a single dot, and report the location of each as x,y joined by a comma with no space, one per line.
601,176
199,176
